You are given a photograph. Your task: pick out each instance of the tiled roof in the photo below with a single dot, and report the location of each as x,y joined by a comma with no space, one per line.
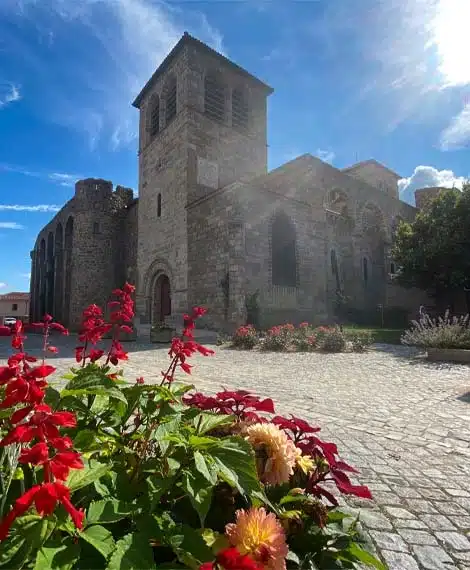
15,296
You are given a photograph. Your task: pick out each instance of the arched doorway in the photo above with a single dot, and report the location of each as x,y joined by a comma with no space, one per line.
161,299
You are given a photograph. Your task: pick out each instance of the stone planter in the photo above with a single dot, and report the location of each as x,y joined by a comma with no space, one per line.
449,355
162,335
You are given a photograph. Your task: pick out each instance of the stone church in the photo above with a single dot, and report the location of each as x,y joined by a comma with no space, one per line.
211,226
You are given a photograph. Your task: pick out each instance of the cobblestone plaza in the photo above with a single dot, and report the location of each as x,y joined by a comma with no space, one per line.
403,422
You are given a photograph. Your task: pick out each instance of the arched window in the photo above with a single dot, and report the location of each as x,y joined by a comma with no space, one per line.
154,115
170,99
335,269
284,263
214,98
159,205
239,109
365,270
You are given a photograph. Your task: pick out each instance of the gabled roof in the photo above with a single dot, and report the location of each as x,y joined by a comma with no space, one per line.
15,296
185,40
359,165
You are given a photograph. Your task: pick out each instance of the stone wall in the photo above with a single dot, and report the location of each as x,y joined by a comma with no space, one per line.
361,229
84,252
186,160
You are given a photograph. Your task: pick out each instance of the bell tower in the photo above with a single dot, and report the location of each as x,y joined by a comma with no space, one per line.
202,127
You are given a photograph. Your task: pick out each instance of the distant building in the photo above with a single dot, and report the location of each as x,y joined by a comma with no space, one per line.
424,196
212,226
14,305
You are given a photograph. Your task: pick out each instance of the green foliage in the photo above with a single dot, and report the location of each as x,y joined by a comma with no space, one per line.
433,252
360,340
332,340
161,480
443,332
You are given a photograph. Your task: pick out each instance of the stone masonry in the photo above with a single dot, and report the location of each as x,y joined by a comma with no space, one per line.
84,252
212,225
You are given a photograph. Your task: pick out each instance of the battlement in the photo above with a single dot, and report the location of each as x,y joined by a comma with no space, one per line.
98,190
93,189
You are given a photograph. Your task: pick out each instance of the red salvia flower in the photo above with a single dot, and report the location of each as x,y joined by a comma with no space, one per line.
45,498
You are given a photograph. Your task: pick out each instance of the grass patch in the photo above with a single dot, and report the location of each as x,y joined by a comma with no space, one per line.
386,336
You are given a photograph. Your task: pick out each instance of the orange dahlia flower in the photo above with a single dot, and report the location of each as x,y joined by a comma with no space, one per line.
276,453
260,535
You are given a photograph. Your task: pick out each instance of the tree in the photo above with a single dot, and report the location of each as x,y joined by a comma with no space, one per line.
433,252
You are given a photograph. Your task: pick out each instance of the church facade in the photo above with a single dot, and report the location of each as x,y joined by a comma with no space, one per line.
211,226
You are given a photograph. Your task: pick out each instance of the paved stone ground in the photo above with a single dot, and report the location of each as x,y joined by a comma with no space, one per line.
403,422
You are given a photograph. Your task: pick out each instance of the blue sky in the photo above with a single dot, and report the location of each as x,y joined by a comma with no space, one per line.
353,79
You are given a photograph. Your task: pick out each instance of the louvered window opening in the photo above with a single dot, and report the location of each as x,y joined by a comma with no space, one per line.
214,99
171,102
239,110
155,118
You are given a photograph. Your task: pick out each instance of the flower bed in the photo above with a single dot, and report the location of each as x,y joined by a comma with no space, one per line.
445,338
112,474
304,338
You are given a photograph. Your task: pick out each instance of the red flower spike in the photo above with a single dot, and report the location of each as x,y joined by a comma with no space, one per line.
64,461
6,374
41,371
60,328
36,455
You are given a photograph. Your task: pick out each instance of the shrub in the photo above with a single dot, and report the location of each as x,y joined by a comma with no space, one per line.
304,338
332,340
110,474
360,340
443,332
279,338
245,337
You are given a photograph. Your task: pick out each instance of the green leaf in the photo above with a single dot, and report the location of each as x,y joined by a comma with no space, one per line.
52,398
35,529
200,442
95,382
107,511
200,493
355,553
84,439
206,471
56,555
189,546
206,422
100,538
236,462
92,471
164,430
133,552
29,533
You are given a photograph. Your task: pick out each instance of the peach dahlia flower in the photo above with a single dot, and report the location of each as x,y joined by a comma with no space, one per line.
276,453
260,535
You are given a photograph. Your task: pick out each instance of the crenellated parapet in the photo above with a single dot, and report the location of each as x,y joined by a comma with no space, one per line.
85,251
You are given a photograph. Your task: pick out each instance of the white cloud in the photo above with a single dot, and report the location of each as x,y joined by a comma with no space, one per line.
427,177
61,178
30,208
2,285
9,94
457,134
128,39
325,155
11,226
64,179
